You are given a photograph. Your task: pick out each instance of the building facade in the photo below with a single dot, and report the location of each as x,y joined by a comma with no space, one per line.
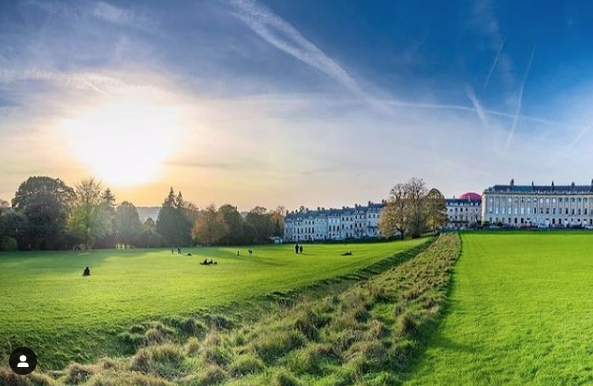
538,205
333,224
464,212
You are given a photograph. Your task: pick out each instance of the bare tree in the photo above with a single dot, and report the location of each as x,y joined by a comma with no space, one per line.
436,209
415,193
392,219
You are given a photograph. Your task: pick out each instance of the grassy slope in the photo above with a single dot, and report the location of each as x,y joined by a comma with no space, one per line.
46,304
365,334
521,312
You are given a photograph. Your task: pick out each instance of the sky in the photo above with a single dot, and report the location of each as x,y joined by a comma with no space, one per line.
321,103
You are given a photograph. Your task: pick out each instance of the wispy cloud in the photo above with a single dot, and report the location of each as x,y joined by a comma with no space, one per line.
485,22
281,34
480,112
124,17
519,100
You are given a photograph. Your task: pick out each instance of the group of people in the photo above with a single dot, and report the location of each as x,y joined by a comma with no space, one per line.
249,250
209,262
298,248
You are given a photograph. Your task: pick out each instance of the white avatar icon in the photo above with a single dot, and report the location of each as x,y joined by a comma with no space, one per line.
23,362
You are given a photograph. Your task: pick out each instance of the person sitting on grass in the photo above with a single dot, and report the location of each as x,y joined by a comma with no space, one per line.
86,272
205,262
250,253
347,253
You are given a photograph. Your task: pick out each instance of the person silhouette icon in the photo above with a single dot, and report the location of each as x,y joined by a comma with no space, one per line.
23,361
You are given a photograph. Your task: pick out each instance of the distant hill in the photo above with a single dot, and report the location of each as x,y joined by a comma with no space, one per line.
148,211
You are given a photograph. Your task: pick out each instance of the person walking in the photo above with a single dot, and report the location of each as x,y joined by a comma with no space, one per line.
296,248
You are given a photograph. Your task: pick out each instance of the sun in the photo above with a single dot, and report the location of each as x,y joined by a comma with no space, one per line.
125,142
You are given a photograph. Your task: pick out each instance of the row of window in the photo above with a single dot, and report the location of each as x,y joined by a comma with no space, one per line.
541,200
541,210
527,221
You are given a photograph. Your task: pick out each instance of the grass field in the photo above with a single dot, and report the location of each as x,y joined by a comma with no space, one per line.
521,312
46,304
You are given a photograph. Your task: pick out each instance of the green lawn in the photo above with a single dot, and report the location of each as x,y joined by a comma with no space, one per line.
521,312
46,305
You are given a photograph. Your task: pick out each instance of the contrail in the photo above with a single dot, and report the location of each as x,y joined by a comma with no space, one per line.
494,63
520,101
282,35
480,112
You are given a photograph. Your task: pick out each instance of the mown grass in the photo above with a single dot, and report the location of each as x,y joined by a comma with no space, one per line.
46,305
366,334
521,313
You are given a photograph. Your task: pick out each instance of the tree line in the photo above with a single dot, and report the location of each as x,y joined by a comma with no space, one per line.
412,210
45,213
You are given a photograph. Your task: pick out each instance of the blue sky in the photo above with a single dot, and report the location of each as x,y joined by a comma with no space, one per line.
320,103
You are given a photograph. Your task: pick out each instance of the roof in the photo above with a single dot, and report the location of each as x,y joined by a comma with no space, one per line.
462,201
323,212
550,189
471,196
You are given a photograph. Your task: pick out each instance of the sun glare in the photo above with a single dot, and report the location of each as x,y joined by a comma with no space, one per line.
127,142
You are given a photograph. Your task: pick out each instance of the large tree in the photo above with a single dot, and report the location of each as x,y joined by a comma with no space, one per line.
210,227
46,203
127,223
109,204
436,210
262,224
277,216
234,223
405,212
172,223
90,219
392,219
416,207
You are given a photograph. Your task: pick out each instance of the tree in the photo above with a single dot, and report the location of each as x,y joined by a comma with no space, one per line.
127,223
109,205
277,216
234,225
392,218
46,203
89,219
436,210
415,193
262,224
149,224
172,223
149,238
210,227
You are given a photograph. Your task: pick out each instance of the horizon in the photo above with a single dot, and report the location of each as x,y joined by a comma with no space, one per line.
273,103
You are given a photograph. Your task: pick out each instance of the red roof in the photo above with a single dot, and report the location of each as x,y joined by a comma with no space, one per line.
471,196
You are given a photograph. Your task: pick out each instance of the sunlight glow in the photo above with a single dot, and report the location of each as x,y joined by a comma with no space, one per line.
126,142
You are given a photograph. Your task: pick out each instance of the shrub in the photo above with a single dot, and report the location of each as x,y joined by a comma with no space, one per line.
310,358
163,360
246,364
8,244
77,373
211,375
283,377
192,347
8,378
275,344
158,334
